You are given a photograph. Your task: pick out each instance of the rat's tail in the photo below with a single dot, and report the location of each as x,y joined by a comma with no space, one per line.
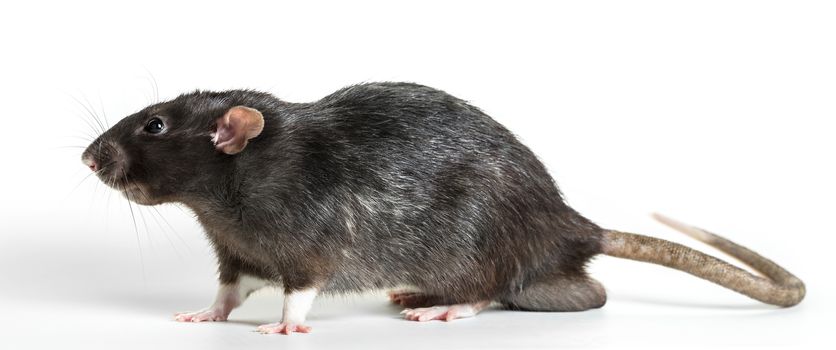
778,288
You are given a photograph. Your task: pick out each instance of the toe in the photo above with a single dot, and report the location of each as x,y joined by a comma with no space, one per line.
283,328
432,314
425,313
186,317
444,312
451,315
268,328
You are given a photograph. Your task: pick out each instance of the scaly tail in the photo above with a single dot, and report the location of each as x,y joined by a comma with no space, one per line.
779,287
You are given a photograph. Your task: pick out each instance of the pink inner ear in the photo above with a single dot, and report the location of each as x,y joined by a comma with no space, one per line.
225,133
236,127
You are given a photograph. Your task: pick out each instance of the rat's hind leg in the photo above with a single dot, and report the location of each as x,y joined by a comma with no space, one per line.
420,306
562,294
414,299
230,295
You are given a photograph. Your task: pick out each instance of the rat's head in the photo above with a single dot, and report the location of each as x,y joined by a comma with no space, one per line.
153,156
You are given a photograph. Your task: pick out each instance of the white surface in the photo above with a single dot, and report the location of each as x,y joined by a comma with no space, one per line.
717,113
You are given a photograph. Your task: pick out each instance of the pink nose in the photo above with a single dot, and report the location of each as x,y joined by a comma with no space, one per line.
90,163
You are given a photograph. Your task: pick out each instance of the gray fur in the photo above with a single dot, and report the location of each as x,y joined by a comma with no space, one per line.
375,186
382,185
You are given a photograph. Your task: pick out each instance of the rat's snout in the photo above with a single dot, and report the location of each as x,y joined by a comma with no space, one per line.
105,159
88,160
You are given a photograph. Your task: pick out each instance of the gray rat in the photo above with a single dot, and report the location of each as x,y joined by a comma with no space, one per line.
383,185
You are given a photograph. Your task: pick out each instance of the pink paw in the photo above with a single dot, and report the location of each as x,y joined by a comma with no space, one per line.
201,316
443,312
283,328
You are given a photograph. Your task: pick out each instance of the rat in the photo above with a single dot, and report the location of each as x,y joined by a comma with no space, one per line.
384,186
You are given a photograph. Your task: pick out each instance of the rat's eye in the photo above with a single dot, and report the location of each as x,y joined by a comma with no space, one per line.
154,126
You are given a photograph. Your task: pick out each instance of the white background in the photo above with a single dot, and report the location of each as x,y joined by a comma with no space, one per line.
719,113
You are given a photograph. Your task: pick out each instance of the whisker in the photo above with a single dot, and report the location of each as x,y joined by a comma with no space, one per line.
99,148
86,137
89,124
79,184
144,197
90,113
103,167
93,113
167,223
104,114
136,231
173,230
96,131
154,85
145,225
183,211
80,169
85,178
170,242
93,196
107,205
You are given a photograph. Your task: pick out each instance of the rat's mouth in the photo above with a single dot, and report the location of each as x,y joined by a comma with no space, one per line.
138,194
133,191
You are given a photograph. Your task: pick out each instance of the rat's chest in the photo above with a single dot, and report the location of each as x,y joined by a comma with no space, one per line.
233,243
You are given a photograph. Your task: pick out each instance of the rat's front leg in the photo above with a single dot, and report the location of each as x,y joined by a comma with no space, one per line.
231,294
297,303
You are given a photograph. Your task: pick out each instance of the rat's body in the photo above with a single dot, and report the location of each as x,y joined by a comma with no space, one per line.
375,186
366,189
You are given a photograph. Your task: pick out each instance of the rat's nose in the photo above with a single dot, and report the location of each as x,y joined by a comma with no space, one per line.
90,163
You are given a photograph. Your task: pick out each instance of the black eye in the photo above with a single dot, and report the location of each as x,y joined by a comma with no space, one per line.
154,126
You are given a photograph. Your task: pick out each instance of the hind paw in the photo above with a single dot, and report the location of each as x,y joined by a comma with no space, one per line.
444,312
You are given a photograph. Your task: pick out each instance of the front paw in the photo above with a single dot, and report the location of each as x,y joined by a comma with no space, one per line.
207,315
283,328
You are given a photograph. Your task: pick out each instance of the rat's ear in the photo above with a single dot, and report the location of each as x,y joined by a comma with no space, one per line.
237,126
